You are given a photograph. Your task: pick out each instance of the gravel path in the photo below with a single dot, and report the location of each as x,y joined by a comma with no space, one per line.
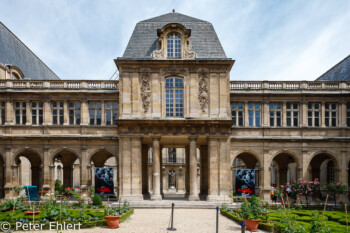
158,220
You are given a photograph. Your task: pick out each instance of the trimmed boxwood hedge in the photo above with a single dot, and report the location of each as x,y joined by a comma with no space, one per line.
19,215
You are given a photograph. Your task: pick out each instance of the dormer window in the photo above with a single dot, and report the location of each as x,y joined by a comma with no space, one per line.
174,45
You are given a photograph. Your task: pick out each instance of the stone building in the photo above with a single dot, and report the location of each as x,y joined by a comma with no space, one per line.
173,125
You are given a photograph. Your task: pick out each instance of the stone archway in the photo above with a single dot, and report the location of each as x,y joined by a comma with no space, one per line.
323,167
68,160
104,158
28,165
247,160
283,169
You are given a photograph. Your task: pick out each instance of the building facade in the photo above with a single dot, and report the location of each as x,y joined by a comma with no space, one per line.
173,125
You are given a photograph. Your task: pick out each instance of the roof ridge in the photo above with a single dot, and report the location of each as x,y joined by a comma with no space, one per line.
173,13
28,49
333,67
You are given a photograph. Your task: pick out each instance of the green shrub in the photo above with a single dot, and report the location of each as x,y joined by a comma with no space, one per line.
97,200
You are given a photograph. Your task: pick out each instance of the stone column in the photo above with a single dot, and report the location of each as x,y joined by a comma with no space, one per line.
136,167
204,170
103,114
323,112
213,164
145,170
8,172
245,115
225,173
156,169
284,114
84,113
342,114
47,113
193,169
265,177
187,175
9,113
52,178
84,172
46,169
28,113
65,113
303,114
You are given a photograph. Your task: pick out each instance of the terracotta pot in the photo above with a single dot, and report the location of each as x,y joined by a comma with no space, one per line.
31,212
252,225
113,221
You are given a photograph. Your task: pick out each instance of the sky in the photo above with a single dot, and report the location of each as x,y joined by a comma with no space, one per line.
268,39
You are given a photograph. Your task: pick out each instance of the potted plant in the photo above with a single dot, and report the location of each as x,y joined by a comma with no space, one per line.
251,213
112,216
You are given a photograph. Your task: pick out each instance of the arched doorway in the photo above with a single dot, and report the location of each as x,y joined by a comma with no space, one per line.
283,169
2,176
104,158
29,168
64,162
244,161
322,167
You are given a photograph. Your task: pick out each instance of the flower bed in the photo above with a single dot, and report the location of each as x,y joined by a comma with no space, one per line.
335,220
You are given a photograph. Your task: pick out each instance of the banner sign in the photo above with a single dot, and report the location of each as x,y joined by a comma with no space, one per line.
104,181
245,182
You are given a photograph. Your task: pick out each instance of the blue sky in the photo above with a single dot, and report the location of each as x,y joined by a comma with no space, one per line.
269,39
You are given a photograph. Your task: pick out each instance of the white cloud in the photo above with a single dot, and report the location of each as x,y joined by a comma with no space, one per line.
270,40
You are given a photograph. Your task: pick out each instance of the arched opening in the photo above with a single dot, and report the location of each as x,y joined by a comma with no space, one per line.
283,170
104,159
29,169
322,167
2,177
67,167
246,174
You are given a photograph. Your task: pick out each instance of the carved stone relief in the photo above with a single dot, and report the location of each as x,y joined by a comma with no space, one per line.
145,90
203,95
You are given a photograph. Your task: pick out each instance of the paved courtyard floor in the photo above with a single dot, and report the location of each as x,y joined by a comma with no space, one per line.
158,220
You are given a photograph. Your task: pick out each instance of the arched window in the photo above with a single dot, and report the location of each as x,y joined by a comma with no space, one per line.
174,92
15,76
174,45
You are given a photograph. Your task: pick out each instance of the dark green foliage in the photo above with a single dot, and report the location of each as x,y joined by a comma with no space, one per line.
97,200
316,224
58,187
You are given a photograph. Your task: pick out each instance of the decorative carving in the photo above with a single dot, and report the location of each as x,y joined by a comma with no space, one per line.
203,95
174,70
186,46
145,91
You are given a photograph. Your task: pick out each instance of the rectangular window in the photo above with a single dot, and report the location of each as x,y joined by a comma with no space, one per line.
276,115
292,114
74,113
237,114
2,113
111,110
95,113
331,114
37,113
254,114
348,114
313,114
20,113
57,113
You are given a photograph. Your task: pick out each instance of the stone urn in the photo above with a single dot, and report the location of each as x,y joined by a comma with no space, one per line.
252,224
113,221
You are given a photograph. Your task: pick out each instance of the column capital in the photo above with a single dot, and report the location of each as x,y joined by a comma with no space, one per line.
192,137
156,137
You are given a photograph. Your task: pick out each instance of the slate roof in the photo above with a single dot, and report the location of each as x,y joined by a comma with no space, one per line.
339,72
14,52
203,37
